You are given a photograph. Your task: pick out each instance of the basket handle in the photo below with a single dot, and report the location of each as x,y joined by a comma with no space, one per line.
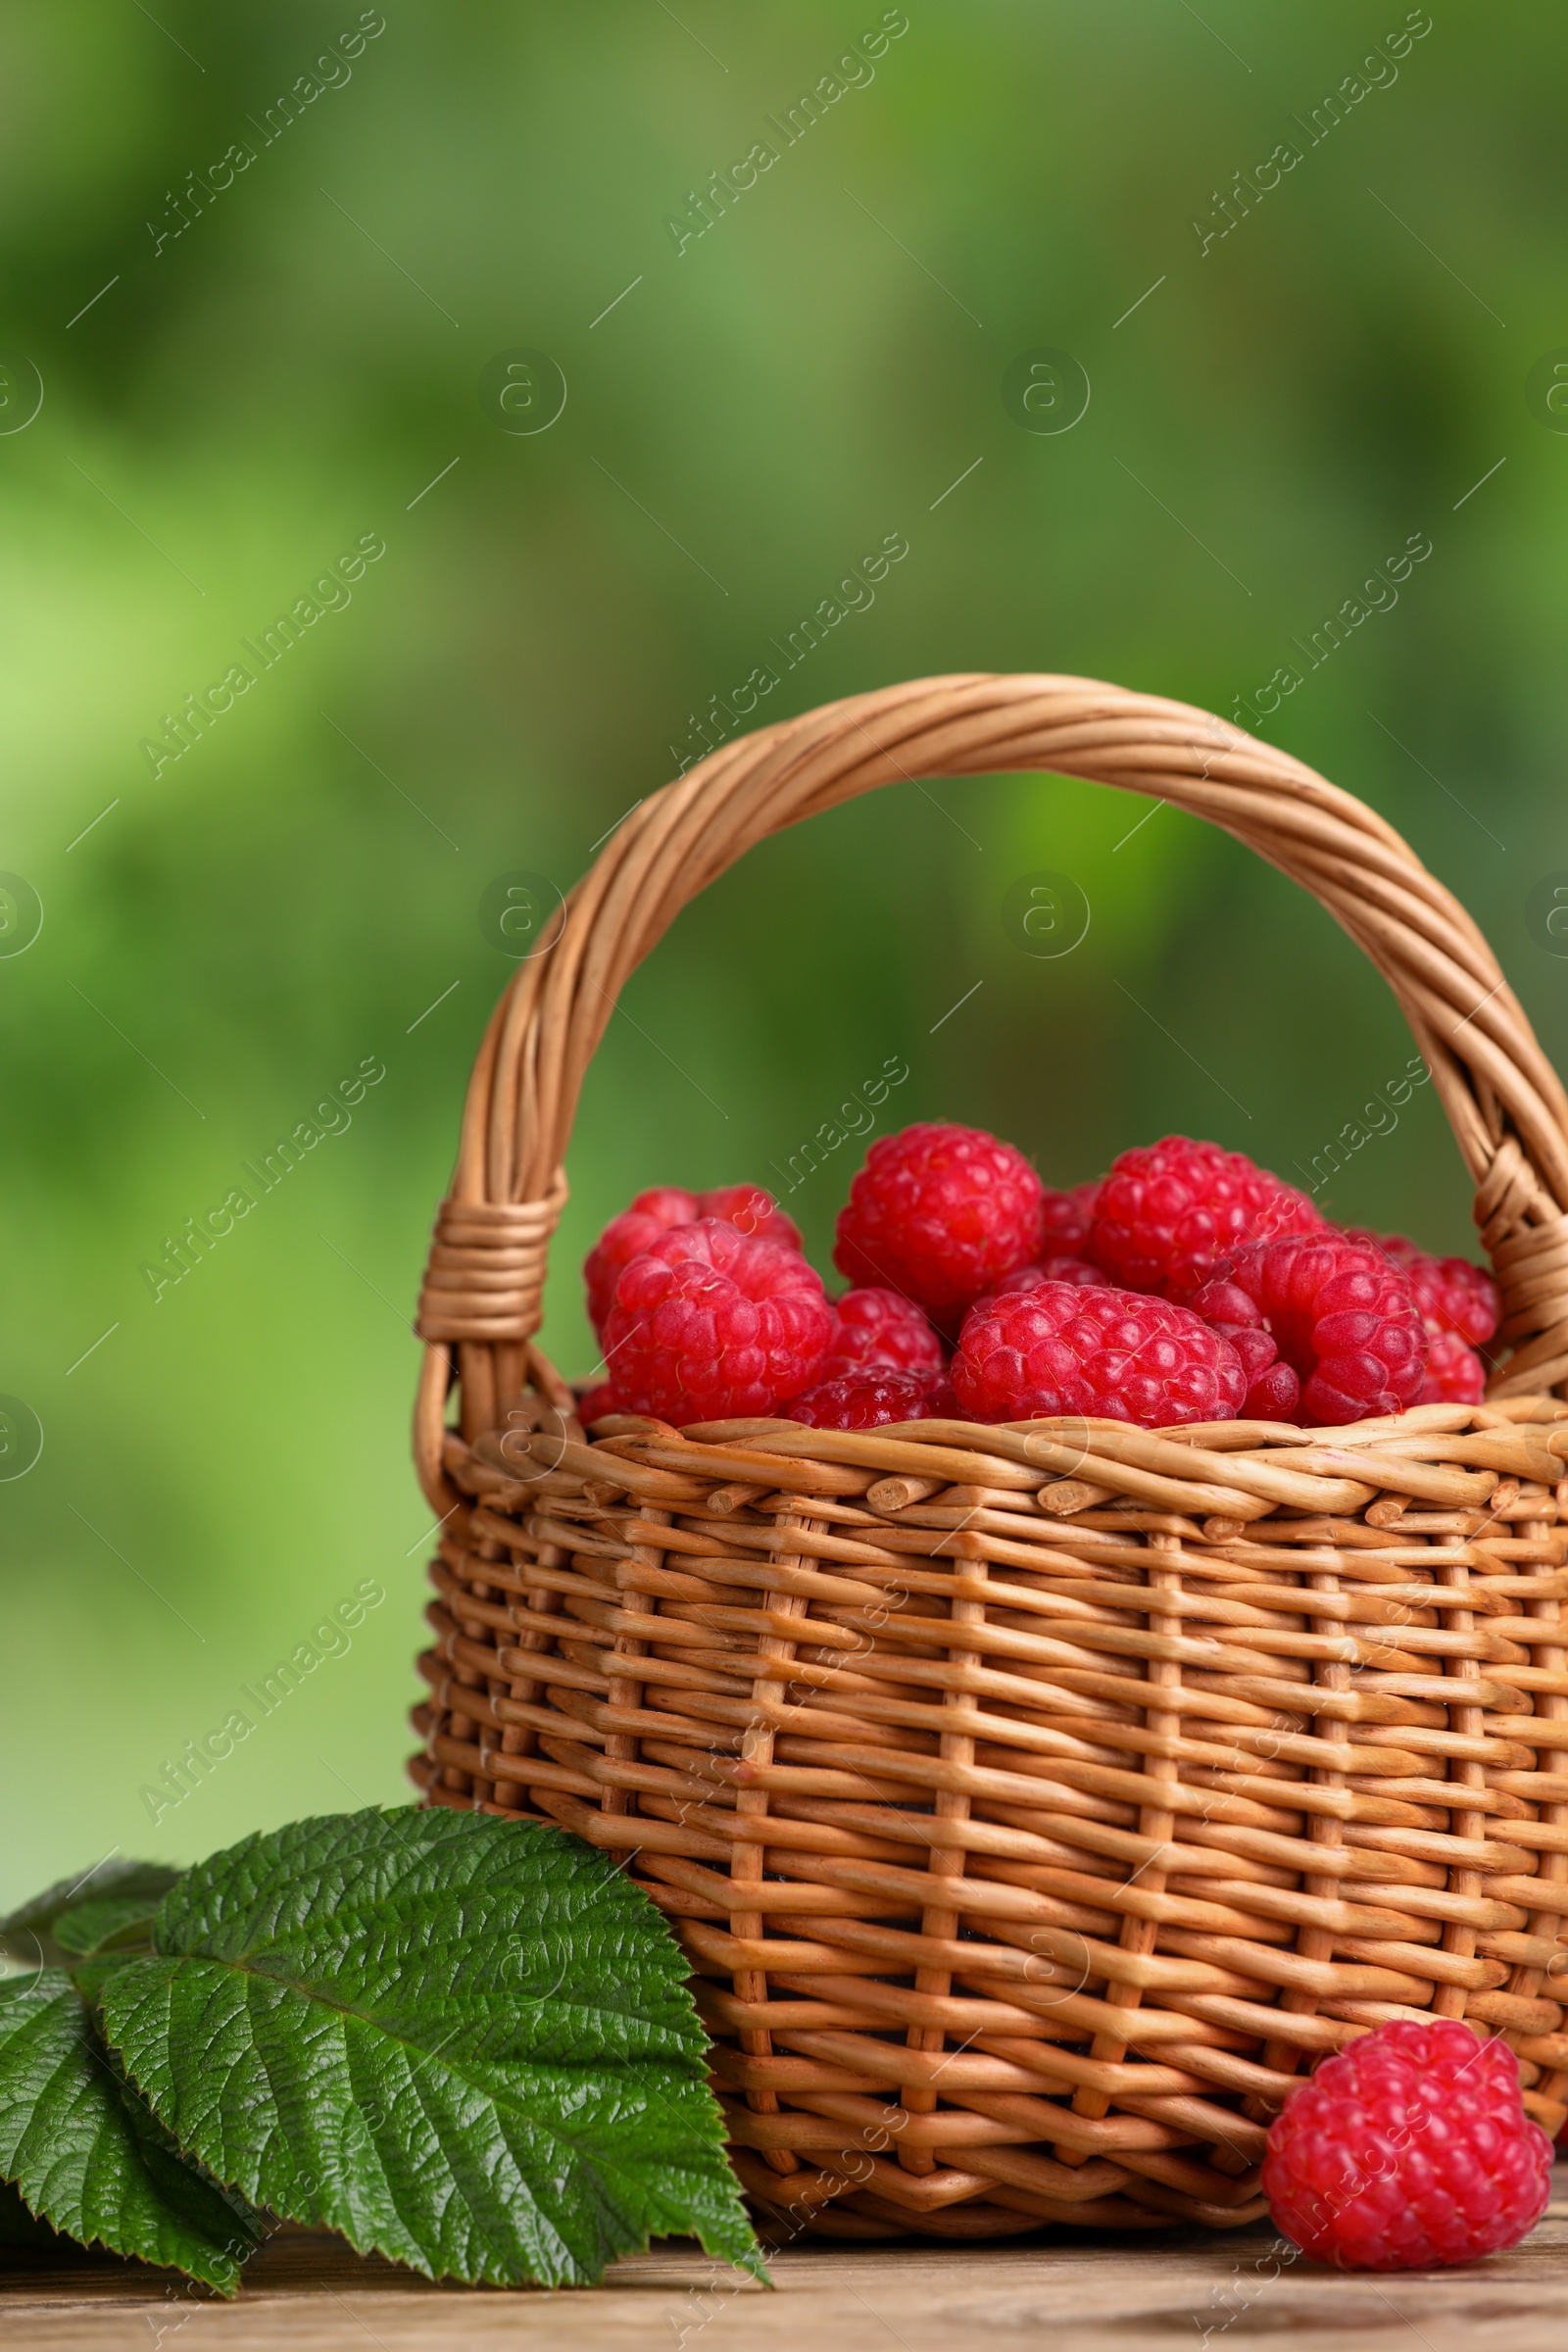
1503,1099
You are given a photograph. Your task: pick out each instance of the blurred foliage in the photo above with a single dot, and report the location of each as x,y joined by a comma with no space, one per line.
225,941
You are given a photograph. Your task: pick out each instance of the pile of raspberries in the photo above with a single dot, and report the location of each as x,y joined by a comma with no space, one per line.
1188,1285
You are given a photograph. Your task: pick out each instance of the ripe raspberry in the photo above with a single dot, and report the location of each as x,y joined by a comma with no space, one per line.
1452,1294
1050,1269
1274,1396
867,1400
939,1212
1455,1374
708,1326
1066,1220
1116,1354
751,1212
1342,1315
875,1330
1459,1310
745,1207
1273,1388
1168,1212
1409,2149
599,1396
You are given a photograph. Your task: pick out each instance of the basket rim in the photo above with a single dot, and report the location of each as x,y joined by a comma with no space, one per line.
1444,1456
1505,1103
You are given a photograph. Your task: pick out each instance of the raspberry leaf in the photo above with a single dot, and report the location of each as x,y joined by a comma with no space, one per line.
464,2042
28,1934
111,1922
87,2155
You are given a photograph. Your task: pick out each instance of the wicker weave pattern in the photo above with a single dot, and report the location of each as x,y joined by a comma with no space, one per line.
1035,1802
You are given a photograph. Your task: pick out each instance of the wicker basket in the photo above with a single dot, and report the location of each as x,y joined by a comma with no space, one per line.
1035,1803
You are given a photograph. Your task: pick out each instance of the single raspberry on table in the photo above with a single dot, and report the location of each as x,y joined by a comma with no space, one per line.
867,1400
877,1330
1168,1212
1066,1220
1117,1356
1459,1309
1409,2149
939,1212
1342,1315
745,1207
707,1325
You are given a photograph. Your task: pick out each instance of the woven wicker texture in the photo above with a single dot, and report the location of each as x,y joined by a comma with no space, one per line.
1034,1803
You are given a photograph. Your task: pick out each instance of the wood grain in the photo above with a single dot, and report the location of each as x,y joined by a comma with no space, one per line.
309,2293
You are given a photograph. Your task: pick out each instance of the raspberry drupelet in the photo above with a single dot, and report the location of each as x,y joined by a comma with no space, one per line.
874,1329
707,1325
1168,1212
1050,1269
1456,1373
867,1399
1408,2149
1115,1356
1066,1220
745,1207
939,1213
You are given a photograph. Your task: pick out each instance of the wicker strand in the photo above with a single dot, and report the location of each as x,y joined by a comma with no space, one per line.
486,1274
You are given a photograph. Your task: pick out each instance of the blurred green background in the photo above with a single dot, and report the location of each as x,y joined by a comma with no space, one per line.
228,410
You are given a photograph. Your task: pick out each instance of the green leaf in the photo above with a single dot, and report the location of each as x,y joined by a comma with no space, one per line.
464,2042
26,1935
111,1920
87,2155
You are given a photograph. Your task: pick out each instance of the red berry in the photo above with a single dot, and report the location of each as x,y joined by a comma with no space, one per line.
750,1212
709,1326
1452,1294
1066,1220
1050,1269
1409,2149
875,1330
868,1400
1273,1388
1342,1315
1455,1374
939,1212
634,1230
1274,1396
1460,1308
598,1397
1170,1212
1116,1354
745,1207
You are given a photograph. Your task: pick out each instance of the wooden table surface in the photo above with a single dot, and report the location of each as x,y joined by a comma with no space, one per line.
310,2294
